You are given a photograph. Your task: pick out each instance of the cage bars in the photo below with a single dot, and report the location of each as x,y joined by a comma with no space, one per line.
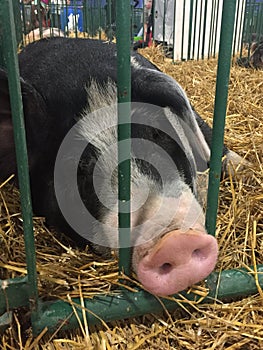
229,284
9,46
124,131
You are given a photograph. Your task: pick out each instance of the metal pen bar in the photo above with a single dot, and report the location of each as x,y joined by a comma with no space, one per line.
123,14
11,64
223,71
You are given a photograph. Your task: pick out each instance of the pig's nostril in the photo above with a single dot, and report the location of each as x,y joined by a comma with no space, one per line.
199,254
165,268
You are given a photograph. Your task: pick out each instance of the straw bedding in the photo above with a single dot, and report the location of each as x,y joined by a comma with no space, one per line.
66,272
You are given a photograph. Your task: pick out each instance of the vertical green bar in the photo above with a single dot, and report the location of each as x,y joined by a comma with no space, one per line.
250,26
11,63
223,71
123,14
259,21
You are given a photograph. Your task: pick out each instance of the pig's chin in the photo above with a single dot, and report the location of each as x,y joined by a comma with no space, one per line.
176,262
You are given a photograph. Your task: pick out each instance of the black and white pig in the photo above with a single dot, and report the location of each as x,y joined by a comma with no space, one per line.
70,104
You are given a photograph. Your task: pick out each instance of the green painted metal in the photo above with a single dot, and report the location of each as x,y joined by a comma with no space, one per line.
18,30
5,321
11,64
14,293
228,285
223,71
124,130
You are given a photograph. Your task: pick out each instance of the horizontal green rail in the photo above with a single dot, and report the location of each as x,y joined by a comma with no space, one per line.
228,285
20,292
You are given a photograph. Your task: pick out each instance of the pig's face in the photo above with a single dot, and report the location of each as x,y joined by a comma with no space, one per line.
170,247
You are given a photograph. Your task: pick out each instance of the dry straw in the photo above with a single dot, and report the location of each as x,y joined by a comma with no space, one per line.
66,272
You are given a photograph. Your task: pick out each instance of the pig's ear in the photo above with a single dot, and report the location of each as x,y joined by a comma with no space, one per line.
33,102
154,87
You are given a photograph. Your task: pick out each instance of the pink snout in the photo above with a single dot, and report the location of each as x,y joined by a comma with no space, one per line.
177,261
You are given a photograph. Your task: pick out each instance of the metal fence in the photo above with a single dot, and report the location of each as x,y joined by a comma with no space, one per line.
19,292
189,29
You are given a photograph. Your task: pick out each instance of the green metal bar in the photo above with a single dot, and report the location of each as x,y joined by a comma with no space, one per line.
259,21
100,17
11,63
243,37
251,20
228,285
124,130
18,29
14,293
223,71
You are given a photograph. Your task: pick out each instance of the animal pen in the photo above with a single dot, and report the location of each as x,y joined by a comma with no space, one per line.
125,301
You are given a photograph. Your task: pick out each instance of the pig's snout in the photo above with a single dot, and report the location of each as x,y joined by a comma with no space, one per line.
177,261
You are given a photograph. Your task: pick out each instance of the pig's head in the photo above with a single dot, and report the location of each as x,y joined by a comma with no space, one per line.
170,247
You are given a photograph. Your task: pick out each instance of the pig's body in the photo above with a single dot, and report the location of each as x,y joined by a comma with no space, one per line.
70,77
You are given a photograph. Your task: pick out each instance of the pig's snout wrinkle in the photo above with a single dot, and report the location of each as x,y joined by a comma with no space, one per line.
178,261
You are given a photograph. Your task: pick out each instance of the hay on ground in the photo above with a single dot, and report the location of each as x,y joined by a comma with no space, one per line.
64,271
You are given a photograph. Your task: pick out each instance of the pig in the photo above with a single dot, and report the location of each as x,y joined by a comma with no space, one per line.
256,58
256,55
70,105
